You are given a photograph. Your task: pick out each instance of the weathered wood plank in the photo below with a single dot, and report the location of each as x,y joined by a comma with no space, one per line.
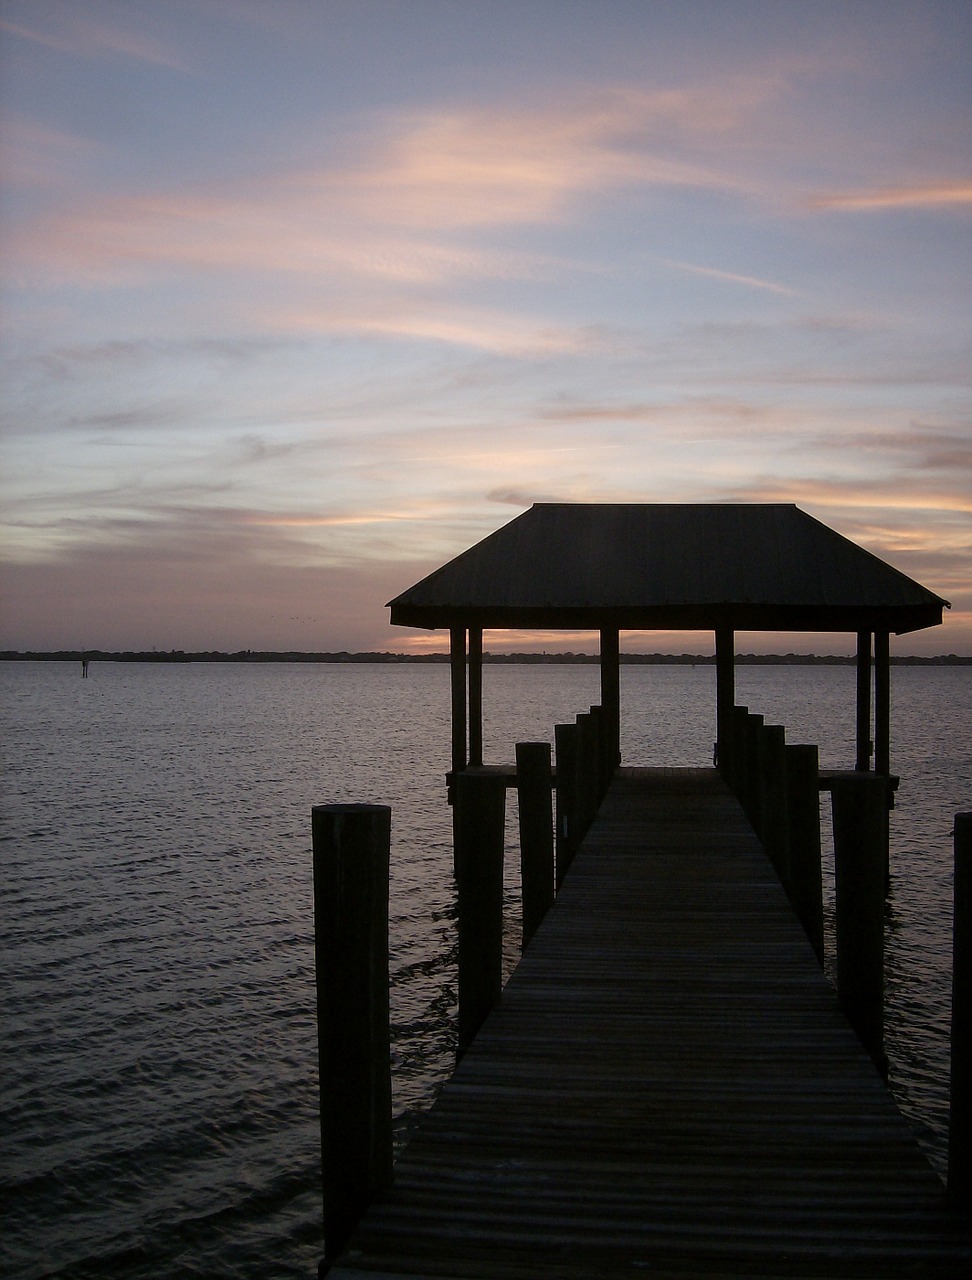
668,1086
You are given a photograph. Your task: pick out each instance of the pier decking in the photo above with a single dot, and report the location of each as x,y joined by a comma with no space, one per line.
668,1087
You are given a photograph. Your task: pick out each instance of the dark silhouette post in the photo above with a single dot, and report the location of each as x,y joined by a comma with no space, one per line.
860,824
725,697
351,847
803,840
567,744
533,783
611,696
479,825
457,664
865,744
475,695
960,1110
772,798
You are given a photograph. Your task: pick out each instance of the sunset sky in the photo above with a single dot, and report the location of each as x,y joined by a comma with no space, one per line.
301,298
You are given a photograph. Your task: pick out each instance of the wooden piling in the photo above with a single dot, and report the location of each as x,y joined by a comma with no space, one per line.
960,1109
772,798
534,798
738,760
859,803
351,850
587,772
803,840
754,723
479,830
603,768
567,746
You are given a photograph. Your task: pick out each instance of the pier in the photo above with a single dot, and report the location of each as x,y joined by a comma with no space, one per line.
668,1085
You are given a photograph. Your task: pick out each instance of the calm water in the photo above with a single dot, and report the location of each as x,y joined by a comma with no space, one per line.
158,1075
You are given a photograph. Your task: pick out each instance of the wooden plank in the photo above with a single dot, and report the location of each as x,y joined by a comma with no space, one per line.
667,1087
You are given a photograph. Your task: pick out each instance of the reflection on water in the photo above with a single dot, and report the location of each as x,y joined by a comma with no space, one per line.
158,1065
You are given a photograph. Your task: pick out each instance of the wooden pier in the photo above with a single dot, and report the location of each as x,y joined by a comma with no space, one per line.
667,1088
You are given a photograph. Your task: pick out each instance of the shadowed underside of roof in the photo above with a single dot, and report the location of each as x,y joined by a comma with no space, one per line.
643,567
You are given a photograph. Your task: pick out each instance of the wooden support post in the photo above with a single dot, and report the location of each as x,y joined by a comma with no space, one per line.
611,696
457,663
882,706
738,759
725,697
960,1110
754,723
859,804
568,746
479,827
882,736
602,749
803,839
865,744
534,797
351,843
587,774
772,799
475,695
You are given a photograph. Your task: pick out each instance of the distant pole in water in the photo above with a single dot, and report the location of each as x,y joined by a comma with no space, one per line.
84,666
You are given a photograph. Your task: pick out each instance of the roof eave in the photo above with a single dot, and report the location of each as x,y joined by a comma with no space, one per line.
695,617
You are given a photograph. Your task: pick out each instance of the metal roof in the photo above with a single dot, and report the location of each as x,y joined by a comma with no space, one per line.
653,566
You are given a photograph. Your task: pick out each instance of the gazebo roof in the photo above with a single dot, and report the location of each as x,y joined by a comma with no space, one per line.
654,566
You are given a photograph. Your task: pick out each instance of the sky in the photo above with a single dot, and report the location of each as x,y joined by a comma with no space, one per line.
300,299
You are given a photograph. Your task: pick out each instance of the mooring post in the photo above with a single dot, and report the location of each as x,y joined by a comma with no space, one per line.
351,844
603,767
739,757
567,746
479,828
772,798
534,799
754,722
803,839
587,773
859,804
960,1107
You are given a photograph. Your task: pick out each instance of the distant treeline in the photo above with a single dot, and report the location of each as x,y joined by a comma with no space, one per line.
536,659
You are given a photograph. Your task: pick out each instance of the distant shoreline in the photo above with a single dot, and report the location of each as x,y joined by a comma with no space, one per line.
495,659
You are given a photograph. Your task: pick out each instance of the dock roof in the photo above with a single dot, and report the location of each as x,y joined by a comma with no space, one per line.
664,566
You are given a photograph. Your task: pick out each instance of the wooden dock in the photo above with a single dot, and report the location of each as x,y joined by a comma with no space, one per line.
668,1087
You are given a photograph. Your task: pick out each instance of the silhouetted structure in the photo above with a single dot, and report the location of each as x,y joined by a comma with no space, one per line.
647,567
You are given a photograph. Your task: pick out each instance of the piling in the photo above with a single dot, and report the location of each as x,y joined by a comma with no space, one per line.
750,798
567,745
533,785
479,830
960,1111
772,798
859,802
803,840
587,772
351,853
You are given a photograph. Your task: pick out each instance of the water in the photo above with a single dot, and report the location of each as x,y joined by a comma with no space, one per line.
158,1074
